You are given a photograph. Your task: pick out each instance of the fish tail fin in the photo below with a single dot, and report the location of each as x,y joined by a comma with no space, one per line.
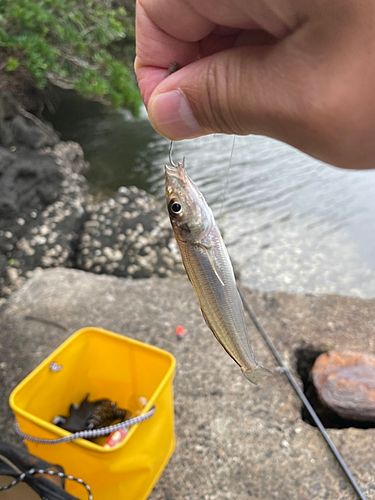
258,374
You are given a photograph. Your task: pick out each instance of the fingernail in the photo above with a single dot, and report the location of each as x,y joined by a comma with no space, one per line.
171,115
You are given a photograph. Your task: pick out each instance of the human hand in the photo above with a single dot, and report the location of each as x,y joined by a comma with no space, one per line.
300,71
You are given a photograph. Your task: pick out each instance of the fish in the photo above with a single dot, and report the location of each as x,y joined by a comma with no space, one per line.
209,268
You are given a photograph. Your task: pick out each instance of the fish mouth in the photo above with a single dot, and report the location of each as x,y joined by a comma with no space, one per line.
177,170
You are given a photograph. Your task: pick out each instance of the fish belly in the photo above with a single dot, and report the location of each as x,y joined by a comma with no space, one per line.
210,271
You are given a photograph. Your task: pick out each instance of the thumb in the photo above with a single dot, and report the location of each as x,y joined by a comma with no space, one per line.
235,91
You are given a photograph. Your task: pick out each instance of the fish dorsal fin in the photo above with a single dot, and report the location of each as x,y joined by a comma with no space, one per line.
208,250
208,323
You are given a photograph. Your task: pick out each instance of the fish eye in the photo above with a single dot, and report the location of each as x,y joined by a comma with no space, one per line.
175,207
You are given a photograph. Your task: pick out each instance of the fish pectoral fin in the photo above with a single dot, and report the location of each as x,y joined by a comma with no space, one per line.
208,251
217,337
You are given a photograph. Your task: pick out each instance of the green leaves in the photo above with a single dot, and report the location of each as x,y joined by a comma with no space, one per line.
69,43
11,64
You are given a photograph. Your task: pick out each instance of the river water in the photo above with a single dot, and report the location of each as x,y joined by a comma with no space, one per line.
291,223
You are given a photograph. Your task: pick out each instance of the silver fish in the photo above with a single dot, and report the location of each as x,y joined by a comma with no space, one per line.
209,268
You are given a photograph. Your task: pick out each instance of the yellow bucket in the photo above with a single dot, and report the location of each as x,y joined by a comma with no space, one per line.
105,365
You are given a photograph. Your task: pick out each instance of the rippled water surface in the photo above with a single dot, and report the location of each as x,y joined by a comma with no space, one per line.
291,223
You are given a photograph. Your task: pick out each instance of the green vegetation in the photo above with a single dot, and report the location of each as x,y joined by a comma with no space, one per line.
73,44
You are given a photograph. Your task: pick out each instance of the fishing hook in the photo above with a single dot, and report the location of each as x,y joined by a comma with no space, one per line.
170,155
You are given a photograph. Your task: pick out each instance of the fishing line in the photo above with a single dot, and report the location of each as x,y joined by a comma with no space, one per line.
226,185
297,389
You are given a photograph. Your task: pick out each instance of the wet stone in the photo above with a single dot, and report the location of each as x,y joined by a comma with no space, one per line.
345,383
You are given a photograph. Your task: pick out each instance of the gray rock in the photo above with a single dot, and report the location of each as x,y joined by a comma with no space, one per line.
234,440
129,236
42,198
3,266
29,183
21,128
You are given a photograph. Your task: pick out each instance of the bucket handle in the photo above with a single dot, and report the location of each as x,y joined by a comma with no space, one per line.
89,434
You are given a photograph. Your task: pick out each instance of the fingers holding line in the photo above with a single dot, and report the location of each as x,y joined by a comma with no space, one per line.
182,31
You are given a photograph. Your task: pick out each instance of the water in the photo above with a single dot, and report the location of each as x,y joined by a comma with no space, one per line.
291,223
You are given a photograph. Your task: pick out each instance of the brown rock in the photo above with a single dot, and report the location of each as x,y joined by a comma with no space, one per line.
345,382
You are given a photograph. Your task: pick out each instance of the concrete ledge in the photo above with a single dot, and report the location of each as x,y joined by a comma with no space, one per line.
234,440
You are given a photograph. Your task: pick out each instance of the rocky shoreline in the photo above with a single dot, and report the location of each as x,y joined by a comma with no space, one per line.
49,219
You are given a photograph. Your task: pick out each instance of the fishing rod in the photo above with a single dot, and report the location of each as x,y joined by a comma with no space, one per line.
297,389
